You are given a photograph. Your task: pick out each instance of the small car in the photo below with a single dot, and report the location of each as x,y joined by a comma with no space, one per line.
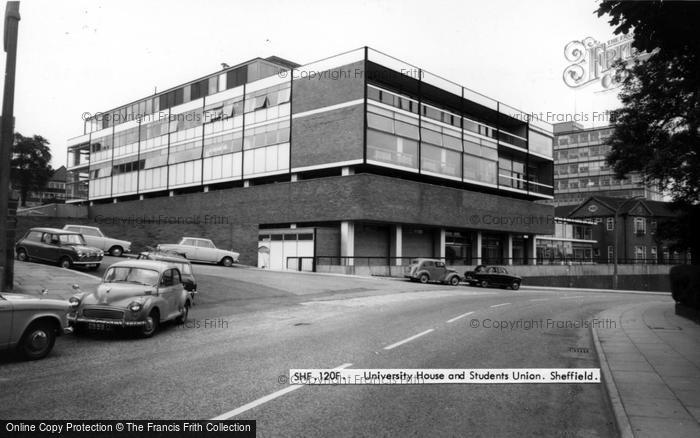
184,265
31,323
94,237
201,250
138,294
431,270
63,247
486,276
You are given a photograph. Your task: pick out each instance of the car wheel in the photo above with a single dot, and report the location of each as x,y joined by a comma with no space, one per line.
116,251
424,278
515,285
22,255
151,326
454,281
484,283
38,340
227,261
65,262
185,314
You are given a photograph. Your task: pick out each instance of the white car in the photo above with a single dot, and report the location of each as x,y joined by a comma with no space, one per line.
201,250
94,237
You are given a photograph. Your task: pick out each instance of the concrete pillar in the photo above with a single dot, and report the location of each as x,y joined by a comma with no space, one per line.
171,193
476,249
531,245
295,177
293,226
246,183
396,249
206,189
114,201
347,241
140,197
347,170
91,203
439,244
509,249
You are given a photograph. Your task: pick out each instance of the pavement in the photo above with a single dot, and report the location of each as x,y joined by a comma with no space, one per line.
650,362
31,278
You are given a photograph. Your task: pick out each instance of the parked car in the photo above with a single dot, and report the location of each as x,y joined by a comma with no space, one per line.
140,294
430,270
31,323
183,265
201,250
63,247
94,237
486,276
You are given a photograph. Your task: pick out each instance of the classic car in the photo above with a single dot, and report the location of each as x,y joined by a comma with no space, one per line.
427,270
486,276
183,265
94,237
30,324
138,294
66,248
201,250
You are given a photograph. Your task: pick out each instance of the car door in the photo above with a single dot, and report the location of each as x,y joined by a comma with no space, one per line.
440,270
188,247
93,238
5,322
206,251
45,249
32,243
170,290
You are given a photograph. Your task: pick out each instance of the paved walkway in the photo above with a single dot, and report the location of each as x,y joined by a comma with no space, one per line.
651,367
31,278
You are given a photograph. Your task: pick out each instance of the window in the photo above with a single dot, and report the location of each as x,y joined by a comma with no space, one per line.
205,244
34,236
639,253
611,253
610,224
652,254
188,242
640,226
652,227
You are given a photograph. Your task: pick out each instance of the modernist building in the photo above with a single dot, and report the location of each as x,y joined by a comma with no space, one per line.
580,170
357,158
572,242
636,222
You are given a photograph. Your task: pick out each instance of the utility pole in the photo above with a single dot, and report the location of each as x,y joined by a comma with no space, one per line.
6,140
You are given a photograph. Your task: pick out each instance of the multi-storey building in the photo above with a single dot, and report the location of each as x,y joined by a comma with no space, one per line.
580,169
572,242
358,158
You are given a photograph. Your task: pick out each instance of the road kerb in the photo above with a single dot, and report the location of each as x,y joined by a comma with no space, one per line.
622,422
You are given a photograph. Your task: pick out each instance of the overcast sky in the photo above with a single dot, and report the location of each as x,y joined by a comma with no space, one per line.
90,56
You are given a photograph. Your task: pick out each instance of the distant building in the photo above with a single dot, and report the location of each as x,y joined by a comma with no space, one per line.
572,242
580,170
54,192
638,221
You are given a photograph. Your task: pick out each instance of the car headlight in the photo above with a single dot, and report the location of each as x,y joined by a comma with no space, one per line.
135,306
81,254
74,302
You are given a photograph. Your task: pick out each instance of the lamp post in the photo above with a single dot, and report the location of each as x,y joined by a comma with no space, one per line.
615,223
6,140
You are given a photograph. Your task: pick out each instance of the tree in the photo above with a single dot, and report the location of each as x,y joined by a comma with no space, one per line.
657,128
30,168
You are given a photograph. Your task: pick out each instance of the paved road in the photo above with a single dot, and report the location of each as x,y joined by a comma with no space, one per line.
233,350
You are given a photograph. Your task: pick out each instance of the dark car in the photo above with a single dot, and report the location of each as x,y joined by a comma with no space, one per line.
486,276
183,265
63,247
430,270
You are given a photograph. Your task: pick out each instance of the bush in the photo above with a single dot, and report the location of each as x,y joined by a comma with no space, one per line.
685,285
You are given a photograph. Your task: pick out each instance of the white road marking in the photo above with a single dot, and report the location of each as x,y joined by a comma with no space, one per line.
459,317
499,305
540,299
577,296
267,398
392,346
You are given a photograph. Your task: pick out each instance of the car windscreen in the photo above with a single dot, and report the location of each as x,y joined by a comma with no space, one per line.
184,268
124,274
71,239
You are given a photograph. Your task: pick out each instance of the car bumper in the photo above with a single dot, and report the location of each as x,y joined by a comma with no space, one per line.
67,330
72,319
87,262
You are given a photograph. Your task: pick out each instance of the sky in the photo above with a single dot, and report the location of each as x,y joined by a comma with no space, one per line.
91,56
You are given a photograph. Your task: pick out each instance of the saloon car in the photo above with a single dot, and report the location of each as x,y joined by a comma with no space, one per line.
94,237
430,270
486,276
30,324
201,250
63,247
183,265
137,294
